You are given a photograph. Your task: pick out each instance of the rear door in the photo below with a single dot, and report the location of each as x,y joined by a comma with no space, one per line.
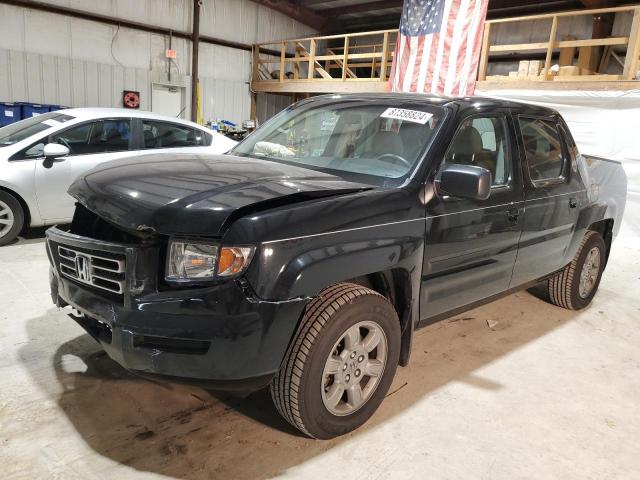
90,144
471,245
553,196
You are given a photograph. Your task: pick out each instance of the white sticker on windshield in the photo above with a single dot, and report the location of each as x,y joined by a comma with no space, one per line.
51,122
414,116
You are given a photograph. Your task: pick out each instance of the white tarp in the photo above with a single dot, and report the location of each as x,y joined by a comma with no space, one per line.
603,123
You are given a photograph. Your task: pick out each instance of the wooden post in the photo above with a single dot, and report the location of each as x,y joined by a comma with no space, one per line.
633,49
552,44
484,55
283,56
296,65
373,63
312,59
254,107
385,57
345,58
255,75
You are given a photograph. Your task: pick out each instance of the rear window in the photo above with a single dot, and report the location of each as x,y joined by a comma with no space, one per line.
16,132
543,148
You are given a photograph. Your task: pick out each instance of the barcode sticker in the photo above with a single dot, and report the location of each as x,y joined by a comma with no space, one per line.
8,113
414,116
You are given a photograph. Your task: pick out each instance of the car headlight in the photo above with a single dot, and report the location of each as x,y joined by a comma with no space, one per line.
189,261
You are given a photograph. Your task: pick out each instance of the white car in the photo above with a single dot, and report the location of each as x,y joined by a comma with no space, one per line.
41,156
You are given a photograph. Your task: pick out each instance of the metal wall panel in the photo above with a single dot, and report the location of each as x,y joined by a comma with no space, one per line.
47,58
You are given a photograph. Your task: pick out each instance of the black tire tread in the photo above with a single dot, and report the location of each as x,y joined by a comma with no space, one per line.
561,284
286,384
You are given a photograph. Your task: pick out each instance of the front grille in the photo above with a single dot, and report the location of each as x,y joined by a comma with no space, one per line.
102,270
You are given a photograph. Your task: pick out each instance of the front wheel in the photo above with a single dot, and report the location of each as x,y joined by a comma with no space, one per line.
11,218
341,364
575,286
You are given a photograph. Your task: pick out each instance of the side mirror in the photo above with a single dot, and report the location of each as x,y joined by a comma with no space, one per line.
466,181
54,150
52,153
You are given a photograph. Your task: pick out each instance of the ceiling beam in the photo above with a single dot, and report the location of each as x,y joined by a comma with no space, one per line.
361,8
598,3
297,11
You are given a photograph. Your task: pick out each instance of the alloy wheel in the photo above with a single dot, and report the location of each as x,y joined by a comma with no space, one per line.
354,368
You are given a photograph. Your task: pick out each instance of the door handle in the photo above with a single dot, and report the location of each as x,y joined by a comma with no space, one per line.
513,214
573,203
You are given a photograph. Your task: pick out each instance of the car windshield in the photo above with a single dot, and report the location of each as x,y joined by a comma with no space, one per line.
16,132
375,139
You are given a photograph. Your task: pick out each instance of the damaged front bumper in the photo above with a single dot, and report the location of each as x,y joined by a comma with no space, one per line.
218,335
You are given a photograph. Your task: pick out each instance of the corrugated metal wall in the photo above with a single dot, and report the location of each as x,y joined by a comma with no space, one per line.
47,58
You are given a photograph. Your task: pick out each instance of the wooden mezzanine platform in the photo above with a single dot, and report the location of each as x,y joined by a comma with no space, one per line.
361,62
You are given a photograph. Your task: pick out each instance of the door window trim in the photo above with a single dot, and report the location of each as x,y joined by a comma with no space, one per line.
506,187
545,182
79,124
140,143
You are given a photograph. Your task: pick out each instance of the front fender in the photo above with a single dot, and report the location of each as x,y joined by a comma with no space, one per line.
303,266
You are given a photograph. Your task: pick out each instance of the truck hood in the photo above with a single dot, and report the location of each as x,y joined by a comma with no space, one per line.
197,194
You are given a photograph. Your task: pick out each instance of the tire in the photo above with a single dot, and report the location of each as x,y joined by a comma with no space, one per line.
566,288
11,212
301,387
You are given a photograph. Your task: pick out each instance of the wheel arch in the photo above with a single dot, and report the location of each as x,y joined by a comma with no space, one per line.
605,228
395,284
25,207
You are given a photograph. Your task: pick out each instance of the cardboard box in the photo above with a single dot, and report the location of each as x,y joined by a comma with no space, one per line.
535,66
569,71
523,68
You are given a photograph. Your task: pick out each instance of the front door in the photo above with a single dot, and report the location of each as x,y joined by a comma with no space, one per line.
89,144
471,245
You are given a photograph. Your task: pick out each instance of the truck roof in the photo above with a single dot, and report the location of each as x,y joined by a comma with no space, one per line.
457,103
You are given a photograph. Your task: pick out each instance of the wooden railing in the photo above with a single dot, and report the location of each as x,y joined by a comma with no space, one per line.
361,62
331,60
567,49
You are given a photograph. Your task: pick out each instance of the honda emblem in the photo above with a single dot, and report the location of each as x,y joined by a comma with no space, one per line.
83,266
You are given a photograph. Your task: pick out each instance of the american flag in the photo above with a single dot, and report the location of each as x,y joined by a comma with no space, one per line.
438,47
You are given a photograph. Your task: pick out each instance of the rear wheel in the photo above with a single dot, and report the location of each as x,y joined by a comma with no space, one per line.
341,363
11,218
576,285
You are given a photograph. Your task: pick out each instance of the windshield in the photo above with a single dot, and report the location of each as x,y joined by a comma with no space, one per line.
360,137
16,132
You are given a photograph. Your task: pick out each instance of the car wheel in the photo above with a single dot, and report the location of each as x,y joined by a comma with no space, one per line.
575,286
11,218
341,363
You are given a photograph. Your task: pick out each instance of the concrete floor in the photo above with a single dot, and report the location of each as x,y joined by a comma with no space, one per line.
543,393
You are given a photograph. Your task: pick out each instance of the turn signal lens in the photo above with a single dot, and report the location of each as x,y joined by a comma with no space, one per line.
233,260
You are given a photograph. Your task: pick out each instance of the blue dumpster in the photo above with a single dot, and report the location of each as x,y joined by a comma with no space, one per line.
33,109
9,113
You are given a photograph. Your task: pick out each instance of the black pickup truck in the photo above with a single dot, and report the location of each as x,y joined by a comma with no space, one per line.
306,257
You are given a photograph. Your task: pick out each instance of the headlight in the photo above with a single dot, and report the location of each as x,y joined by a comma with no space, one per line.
191,262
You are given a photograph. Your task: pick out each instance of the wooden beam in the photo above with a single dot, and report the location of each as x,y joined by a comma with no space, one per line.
312,59
335,85
552,41
585,84
385,57
633,50
484,55
345,60
571,13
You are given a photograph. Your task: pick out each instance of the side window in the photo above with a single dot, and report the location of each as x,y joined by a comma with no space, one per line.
171,135
102,136
482,142
543,148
